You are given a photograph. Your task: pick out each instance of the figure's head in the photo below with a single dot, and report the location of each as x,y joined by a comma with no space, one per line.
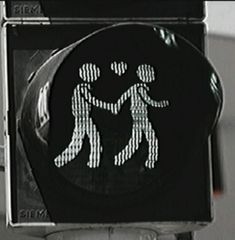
89,72
146,73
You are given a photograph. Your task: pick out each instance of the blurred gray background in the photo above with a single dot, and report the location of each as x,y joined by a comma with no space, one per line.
221,51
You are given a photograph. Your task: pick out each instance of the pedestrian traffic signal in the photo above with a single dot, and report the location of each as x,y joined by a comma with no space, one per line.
115,127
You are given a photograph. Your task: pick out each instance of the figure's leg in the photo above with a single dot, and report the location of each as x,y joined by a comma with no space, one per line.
131,147
153,145
95,145
73,148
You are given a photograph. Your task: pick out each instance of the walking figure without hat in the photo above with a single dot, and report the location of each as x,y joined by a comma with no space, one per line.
140,100
81,107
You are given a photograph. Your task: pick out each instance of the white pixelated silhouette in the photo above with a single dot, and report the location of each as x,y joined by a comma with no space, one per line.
84,125
140,101
81,106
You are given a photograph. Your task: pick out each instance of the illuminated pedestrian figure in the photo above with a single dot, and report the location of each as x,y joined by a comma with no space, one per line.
140,101
81,106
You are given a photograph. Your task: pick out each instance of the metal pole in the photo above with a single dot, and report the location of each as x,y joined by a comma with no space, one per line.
104,234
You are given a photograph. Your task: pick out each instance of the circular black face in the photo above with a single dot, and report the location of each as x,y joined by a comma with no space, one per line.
125,108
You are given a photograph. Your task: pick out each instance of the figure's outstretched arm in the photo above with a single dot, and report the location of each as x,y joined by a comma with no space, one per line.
85,93
124,97
144,95
113,107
